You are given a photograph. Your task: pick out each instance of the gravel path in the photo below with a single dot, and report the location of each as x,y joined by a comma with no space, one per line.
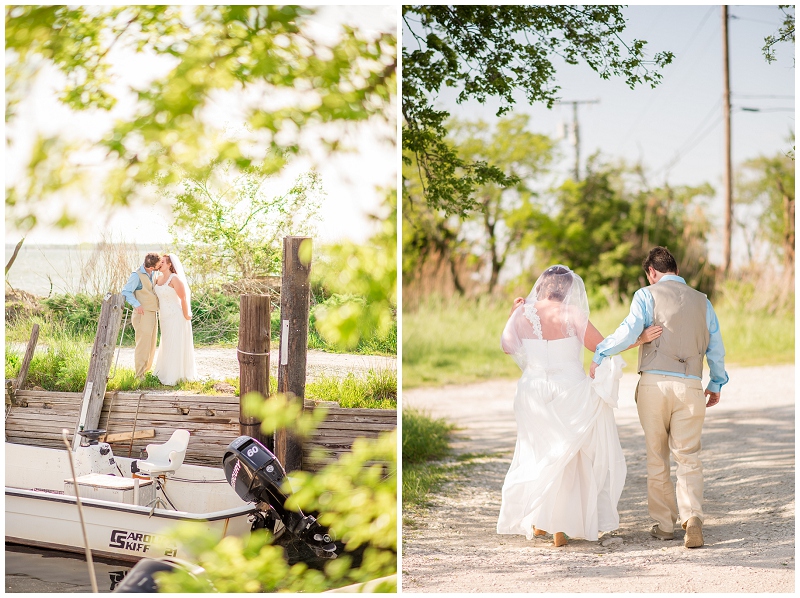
748,458
218,363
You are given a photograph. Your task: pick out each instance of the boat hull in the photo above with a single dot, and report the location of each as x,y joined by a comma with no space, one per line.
114,530
40,511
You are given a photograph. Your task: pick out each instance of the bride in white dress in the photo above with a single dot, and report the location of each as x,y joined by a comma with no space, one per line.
175,360
568,469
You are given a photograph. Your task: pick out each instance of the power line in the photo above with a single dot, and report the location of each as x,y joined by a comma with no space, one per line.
756,96
747,109
754,20
680,55
690,144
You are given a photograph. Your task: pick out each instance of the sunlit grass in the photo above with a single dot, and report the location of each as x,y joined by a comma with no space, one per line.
376,390
458,341
425,443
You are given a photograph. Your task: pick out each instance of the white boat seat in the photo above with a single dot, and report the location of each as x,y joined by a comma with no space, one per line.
167,457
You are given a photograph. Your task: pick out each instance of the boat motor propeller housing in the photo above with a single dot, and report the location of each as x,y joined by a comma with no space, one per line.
93,456
256,475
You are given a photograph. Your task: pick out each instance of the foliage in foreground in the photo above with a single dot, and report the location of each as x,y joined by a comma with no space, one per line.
211,52
364,280
355,497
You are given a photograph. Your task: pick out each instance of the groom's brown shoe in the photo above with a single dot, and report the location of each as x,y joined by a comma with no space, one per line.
659,533
694,533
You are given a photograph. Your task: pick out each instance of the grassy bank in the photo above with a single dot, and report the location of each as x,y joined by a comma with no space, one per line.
215,322
63,366
458,341
425,444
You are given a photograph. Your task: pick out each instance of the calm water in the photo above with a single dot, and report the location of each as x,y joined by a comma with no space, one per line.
38,570
56,269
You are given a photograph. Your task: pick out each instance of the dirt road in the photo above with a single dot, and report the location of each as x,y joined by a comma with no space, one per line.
748,457
218,363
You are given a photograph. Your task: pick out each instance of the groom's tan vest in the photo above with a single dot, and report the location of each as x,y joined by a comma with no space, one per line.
146,295
681,312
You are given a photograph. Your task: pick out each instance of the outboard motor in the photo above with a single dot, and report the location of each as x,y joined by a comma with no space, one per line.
141,579
256,476
93,456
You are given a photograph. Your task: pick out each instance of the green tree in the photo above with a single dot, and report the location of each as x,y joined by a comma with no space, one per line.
282,77
484,234
522,156
363,281
488,52
230,225
602,227
429,234
785,33
767,182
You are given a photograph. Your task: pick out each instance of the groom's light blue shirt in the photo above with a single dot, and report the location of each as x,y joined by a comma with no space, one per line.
641,316
134,284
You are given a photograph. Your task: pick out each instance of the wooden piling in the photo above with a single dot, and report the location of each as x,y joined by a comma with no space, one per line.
26,361
100,362
253,355
295,301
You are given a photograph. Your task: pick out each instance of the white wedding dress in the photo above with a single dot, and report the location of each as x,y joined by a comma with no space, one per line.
568,469
175,360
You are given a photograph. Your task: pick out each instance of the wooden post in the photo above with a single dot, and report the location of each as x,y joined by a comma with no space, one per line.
253,355
100,363
26,361
727,177
295,301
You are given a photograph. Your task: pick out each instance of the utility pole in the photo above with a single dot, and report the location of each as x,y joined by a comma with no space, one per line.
726,117
576,140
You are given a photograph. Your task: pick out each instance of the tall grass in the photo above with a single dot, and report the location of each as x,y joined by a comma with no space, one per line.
454,342
425,442
61,366
376,390
458,341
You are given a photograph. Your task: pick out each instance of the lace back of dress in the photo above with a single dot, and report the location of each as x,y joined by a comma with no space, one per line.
533,318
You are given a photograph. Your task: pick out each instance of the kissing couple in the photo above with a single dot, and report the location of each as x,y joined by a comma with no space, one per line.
568,470
158,292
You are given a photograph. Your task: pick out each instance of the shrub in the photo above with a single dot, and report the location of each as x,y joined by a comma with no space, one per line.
424,438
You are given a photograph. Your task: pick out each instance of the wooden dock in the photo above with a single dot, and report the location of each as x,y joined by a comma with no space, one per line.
37,417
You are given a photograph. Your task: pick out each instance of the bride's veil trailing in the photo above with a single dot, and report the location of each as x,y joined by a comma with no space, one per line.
181,274
556,308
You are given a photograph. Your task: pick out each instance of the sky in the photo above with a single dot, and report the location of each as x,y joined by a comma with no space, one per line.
680,120
349,179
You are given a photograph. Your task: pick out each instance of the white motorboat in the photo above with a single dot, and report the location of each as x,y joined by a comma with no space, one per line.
126,515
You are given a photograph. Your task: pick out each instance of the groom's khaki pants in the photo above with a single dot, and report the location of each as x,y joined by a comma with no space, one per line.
146,327
671,411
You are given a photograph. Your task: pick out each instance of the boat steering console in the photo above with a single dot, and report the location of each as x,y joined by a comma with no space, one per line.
256,475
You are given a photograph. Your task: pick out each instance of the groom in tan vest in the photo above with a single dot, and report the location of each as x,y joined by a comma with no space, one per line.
670,397
139,292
